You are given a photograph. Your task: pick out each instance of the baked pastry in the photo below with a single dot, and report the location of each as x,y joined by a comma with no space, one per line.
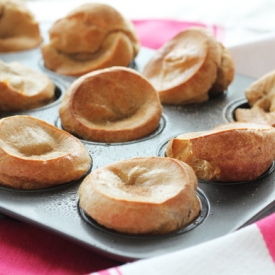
111,105
190,67
261,99
91,37
141,195
35,154
18,28
23,88
232,152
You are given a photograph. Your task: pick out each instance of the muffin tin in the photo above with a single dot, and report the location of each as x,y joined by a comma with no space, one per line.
225,207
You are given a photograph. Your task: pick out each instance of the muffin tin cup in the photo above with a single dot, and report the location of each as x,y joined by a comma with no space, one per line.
225,208
229,111
204,212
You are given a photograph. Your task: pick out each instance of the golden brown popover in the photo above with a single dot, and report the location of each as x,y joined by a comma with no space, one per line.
261,100
190,67
19,29
231,152
35,154
91,37
116,104
153,195
22,88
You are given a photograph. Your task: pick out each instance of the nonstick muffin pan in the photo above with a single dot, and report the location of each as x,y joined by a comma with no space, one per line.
225,207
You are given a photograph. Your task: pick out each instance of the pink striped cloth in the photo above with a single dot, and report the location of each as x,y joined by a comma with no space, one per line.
250,251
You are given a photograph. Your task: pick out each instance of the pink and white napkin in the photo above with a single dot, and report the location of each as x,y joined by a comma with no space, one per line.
250,251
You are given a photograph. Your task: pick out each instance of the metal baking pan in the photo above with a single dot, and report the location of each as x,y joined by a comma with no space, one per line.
225,207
